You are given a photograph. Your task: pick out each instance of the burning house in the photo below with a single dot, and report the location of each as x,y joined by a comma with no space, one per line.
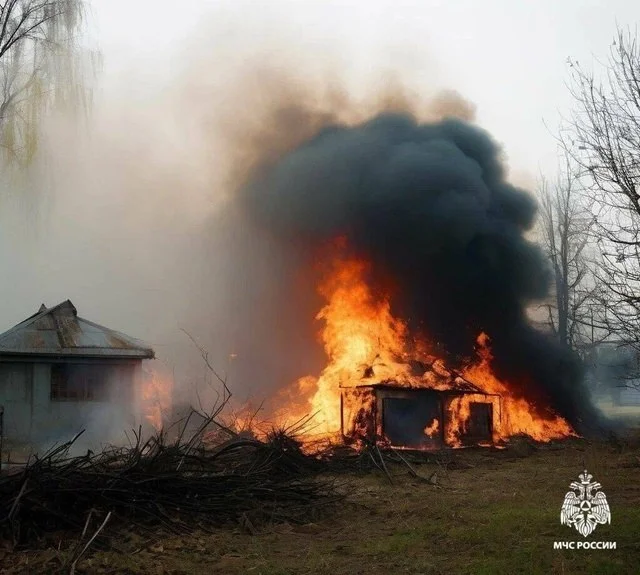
384,384
60,373
416,246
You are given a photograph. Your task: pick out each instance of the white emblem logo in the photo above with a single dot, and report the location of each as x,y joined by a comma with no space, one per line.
584,509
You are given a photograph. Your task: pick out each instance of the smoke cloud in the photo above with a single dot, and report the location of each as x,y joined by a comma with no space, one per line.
430,206
268,297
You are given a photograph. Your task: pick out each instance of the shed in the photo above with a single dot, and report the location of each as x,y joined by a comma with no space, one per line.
60,373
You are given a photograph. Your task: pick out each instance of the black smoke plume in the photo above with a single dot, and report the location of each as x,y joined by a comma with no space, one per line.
430,206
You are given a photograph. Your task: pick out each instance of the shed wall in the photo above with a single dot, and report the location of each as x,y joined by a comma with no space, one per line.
16,394
30,415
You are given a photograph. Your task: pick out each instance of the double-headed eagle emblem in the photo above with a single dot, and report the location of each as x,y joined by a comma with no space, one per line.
585,506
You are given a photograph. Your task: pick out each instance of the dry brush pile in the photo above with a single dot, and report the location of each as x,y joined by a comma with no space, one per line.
179,483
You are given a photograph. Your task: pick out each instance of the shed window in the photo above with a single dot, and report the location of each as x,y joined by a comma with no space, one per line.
78,382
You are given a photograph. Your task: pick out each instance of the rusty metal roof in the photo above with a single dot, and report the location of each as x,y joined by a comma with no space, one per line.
59,331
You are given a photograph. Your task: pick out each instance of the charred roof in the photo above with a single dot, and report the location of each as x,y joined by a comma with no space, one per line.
430,374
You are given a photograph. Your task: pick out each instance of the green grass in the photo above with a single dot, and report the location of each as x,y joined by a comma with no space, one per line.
498,513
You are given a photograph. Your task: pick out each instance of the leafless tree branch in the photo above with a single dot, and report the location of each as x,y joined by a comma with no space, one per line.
565,225
602,139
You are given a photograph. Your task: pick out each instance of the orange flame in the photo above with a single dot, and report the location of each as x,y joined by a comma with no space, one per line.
360,335
431,430
366,346
156,397
518,416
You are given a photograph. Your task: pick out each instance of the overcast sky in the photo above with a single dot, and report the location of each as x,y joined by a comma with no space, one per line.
509,57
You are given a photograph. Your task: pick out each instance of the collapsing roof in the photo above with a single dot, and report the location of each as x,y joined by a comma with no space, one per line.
428,374
58,331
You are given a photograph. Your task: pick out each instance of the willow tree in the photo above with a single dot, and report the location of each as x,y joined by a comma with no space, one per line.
40,67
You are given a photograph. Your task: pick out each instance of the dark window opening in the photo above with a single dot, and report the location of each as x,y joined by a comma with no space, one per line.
79,382
405,420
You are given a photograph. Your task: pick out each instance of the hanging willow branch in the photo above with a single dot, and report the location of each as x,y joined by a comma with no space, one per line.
41,66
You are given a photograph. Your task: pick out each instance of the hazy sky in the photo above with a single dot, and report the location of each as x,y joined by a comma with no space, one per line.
509,57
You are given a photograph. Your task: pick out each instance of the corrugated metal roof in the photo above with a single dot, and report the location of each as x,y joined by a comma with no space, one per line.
59,331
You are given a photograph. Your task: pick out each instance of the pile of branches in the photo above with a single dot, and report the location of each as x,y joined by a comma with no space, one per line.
179,484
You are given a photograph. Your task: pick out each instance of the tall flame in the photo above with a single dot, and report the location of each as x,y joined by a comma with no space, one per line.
359,332
155,397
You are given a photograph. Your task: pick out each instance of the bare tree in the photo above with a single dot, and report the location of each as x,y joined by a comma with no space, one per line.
38,67
565,225
602,138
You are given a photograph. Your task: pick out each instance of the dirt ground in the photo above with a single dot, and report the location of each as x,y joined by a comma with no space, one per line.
490,512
